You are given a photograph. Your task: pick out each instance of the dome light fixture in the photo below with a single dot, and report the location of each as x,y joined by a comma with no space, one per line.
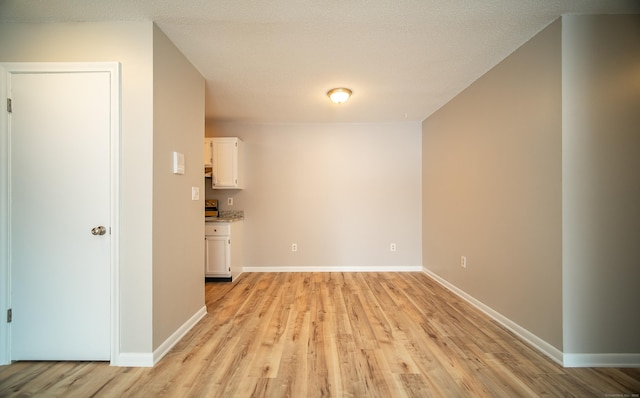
339,95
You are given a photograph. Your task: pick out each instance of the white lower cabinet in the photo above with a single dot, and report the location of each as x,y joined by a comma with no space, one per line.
223,249
217,254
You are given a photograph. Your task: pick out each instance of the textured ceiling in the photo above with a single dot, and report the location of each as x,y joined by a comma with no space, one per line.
273,61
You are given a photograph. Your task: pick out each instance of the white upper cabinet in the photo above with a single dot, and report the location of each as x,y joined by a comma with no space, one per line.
208,152
226,167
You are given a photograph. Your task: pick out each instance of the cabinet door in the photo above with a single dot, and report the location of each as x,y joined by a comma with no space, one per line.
217,256
225,163
208,152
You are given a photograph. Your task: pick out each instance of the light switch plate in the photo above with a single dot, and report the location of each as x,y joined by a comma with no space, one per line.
178,163
195,193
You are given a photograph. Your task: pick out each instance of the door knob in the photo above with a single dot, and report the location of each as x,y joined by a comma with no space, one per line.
100,230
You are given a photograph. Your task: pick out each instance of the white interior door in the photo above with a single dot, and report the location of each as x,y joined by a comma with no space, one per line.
59,134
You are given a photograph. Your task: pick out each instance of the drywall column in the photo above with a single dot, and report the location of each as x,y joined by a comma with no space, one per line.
601,189
178,227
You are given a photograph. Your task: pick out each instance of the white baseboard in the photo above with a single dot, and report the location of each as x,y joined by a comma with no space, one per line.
601,360
524,334
568,360
145,360
391,268
168,344
236,276
134,360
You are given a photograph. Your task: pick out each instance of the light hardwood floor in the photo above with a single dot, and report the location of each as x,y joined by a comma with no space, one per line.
331,334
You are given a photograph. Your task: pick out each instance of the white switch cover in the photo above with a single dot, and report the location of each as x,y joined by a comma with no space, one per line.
230,201
195,193
178,163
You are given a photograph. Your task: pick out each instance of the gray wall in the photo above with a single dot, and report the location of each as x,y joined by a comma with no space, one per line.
601,184
342,192
491,164
178,228
532,173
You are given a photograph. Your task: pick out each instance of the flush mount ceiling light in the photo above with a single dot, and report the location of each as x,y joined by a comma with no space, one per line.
339,95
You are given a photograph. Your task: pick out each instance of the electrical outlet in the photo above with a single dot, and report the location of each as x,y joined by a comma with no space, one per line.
230,201
393,247
294,247
463,262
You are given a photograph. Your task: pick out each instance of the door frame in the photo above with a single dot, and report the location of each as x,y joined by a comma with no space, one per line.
7,69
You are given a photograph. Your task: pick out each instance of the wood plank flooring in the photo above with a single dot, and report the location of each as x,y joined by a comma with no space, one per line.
331,334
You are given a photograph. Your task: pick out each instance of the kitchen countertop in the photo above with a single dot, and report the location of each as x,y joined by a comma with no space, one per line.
227,216
223,219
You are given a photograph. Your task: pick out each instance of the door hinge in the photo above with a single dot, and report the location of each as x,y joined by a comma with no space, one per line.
9,108
9,315
229,241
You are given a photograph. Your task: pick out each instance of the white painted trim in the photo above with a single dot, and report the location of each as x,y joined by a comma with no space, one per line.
168,344
524,334
116,129
135,360
601,360
391,268
5,278
113,68
147,359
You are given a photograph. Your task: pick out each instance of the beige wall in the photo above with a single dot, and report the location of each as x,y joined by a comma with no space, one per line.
491,187
601,183
342,192
178,228
532,173
129,43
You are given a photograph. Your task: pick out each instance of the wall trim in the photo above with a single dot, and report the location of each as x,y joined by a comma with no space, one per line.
5,280
148,359
530,338
134,360
390,268
172,340
620,360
